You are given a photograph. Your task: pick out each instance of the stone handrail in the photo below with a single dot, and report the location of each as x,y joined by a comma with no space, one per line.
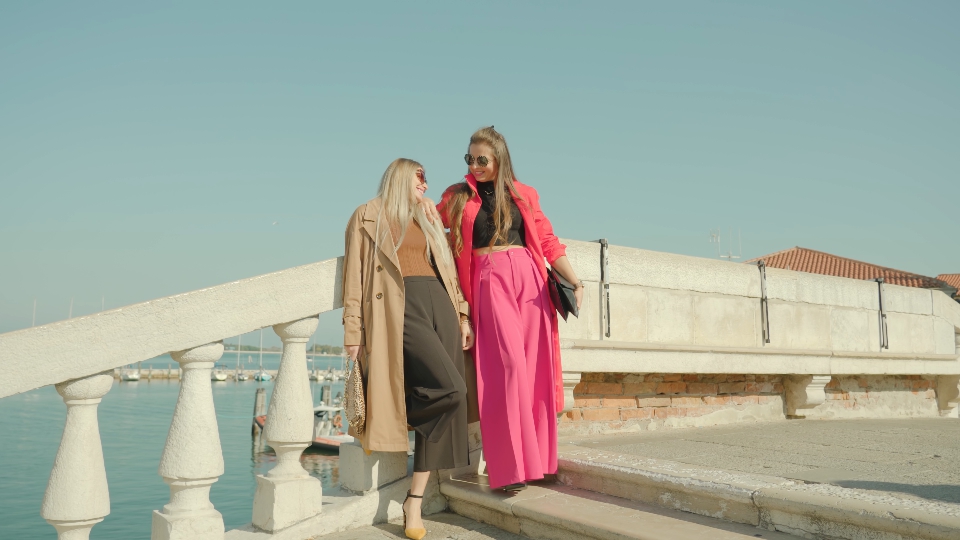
86,345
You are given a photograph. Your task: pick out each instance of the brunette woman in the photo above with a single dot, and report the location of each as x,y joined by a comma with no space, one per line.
402,313
500,238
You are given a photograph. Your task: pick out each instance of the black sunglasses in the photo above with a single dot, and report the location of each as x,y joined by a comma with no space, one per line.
481,160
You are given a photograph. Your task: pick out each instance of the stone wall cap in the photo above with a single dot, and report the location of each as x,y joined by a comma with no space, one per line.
643,346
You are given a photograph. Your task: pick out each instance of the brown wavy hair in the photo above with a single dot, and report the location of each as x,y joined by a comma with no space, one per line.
504,191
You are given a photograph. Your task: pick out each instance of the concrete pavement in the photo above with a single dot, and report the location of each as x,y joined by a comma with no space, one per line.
914,458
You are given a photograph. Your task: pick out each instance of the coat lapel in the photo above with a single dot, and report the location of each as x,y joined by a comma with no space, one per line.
470,210
370,226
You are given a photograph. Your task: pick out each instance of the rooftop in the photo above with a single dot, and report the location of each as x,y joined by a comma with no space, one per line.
951,279
817,262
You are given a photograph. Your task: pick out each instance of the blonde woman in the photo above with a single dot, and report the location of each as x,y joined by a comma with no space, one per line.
406,322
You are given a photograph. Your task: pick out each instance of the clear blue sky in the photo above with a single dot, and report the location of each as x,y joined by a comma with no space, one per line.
146,149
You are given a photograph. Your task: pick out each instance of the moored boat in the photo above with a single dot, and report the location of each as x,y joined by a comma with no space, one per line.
240,375
129,374
218,373
328,427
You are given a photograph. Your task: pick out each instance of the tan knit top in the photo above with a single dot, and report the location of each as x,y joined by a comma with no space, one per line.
413,253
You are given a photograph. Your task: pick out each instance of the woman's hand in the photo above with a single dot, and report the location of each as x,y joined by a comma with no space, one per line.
563,266
430,209
466,334
353,351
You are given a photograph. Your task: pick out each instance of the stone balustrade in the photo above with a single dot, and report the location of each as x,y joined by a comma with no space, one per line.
192,325
670,324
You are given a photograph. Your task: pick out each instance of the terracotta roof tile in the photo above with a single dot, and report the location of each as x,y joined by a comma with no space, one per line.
951,279
818,262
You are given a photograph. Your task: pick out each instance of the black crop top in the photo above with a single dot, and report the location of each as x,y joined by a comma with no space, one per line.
483,227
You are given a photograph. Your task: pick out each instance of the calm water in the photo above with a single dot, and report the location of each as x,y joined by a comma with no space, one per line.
134,419
249,360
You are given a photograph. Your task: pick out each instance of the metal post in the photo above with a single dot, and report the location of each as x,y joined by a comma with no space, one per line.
884,338
764,305
604,289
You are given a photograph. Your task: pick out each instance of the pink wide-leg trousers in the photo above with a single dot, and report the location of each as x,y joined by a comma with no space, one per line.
515,379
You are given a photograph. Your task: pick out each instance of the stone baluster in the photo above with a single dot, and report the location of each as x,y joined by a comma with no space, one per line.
77,497
287,494
192,460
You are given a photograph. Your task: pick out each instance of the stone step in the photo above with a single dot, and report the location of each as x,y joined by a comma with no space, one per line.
442,526
566,513
771,503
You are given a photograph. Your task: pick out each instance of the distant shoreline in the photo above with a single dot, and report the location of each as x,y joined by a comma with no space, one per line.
234,351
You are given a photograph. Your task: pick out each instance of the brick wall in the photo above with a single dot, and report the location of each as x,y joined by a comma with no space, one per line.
617,402
605,402
879,396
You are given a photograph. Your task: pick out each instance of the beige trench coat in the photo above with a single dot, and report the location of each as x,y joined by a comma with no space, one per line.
373,306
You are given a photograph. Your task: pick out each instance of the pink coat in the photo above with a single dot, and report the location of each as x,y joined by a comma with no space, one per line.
540,240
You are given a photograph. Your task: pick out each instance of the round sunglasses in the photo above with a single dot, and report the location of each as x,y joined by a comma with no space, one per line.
481,160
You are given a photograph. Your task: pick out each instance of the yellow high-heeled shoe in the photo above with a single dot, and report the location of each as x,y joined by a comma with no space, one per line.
412,534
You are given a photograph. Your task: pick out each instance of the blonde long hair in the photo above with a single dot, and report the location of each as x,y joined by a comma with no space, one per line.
504,191
398,207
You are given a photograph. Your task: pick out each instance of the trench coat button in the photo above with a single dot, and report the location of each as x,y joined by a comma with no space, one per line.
379,295
379,268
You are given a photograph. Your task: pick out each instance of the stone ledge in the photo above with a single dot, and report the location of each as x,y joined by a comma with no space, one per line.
344,511
773,503
699,490
644,346
756,361
835,512
564,513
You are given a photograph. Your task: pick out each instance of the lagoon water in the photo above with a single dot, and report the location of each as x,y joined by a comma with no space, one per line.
134,419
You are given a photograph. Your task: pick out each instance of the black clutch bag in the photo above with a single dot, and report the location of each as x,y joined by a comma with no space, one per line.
561,292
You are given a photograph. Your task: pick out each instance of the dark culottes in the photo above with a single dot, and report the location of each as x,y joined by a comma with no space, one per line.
433,371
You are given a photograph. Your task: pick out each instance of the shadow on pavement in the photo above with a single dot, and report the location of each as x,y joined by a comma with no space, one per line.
941,492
